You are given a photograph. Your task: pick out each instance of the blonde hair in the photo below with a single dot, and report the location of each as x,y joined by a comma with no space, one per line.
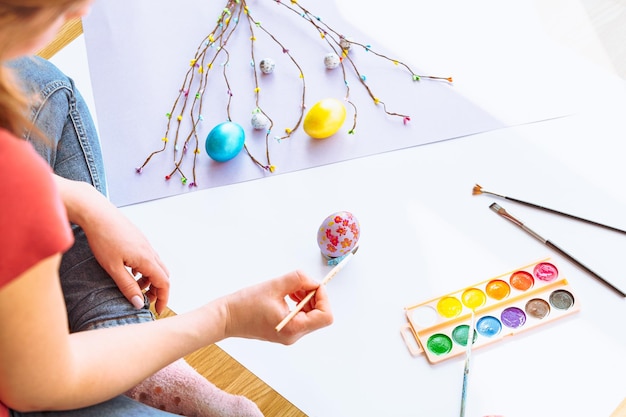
22,22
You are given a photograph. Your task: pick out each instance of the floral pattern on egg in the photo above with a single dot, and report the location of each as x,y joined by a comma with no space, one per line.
338,234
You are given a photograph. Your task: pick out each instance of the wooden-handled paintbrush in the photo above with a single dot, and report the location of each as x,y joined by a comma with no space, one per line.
310,295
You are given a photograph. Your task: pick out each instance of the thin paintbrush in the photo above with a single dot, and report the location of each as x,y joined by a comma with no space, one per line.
468,359
502,212
310,295
479,190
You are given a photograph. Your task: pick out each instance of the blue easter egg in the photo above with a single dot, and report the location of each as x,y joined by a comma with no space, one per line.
225,141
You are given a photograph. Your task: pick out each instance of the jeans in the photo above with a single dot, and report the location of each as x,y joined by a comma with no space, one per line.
72,149
120,406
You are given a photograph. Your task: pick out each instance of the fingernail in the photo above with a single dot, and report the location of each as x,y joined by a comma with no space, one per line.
137,302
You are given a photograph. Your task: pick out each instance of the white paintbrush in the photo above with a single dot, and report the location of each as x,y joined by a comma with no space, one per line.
310,295
468,359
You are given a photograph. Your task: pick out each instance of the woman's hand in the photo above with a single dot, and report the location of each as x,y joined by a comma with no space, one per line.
118,245
255,311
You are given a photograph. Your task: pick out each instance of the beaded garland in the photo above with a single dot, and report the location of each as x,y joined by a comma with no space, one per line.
189,101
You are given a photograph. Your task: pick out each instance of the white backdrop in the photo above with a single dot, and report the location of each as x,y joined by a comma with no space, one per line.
423,233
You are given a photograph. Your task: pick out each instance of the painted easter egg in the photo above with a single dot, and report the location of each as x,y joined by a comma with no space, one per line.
325,118
225,141
267,66
338,234
331,61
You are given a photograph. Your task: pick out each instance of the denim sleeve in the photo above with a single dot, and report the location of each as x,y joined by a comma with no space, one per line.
71,144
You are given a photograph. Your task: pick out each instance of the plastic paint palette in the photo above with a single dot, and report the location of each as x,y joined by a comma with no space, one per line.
505,305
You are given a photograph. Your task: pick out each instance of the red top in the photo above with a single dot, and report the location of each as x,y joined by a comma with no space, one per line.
33,220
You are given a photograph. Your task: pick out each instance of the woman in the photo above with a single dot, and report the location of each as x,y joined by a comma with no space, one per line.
92,297
44,367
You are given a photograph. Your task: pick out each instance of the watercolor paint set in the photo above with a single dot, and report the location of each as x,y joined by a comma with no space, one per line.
503,306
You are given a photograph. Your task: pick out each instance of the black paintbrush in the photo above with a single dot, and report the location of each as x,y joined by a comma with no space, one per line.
479,190
502,212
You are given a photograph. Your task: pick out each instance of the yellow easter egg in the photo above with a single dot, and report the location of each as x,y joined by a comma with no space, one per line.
325,118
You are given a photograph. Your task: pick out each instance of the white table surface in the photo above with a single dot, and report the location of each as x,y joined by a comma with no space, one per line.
424,235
